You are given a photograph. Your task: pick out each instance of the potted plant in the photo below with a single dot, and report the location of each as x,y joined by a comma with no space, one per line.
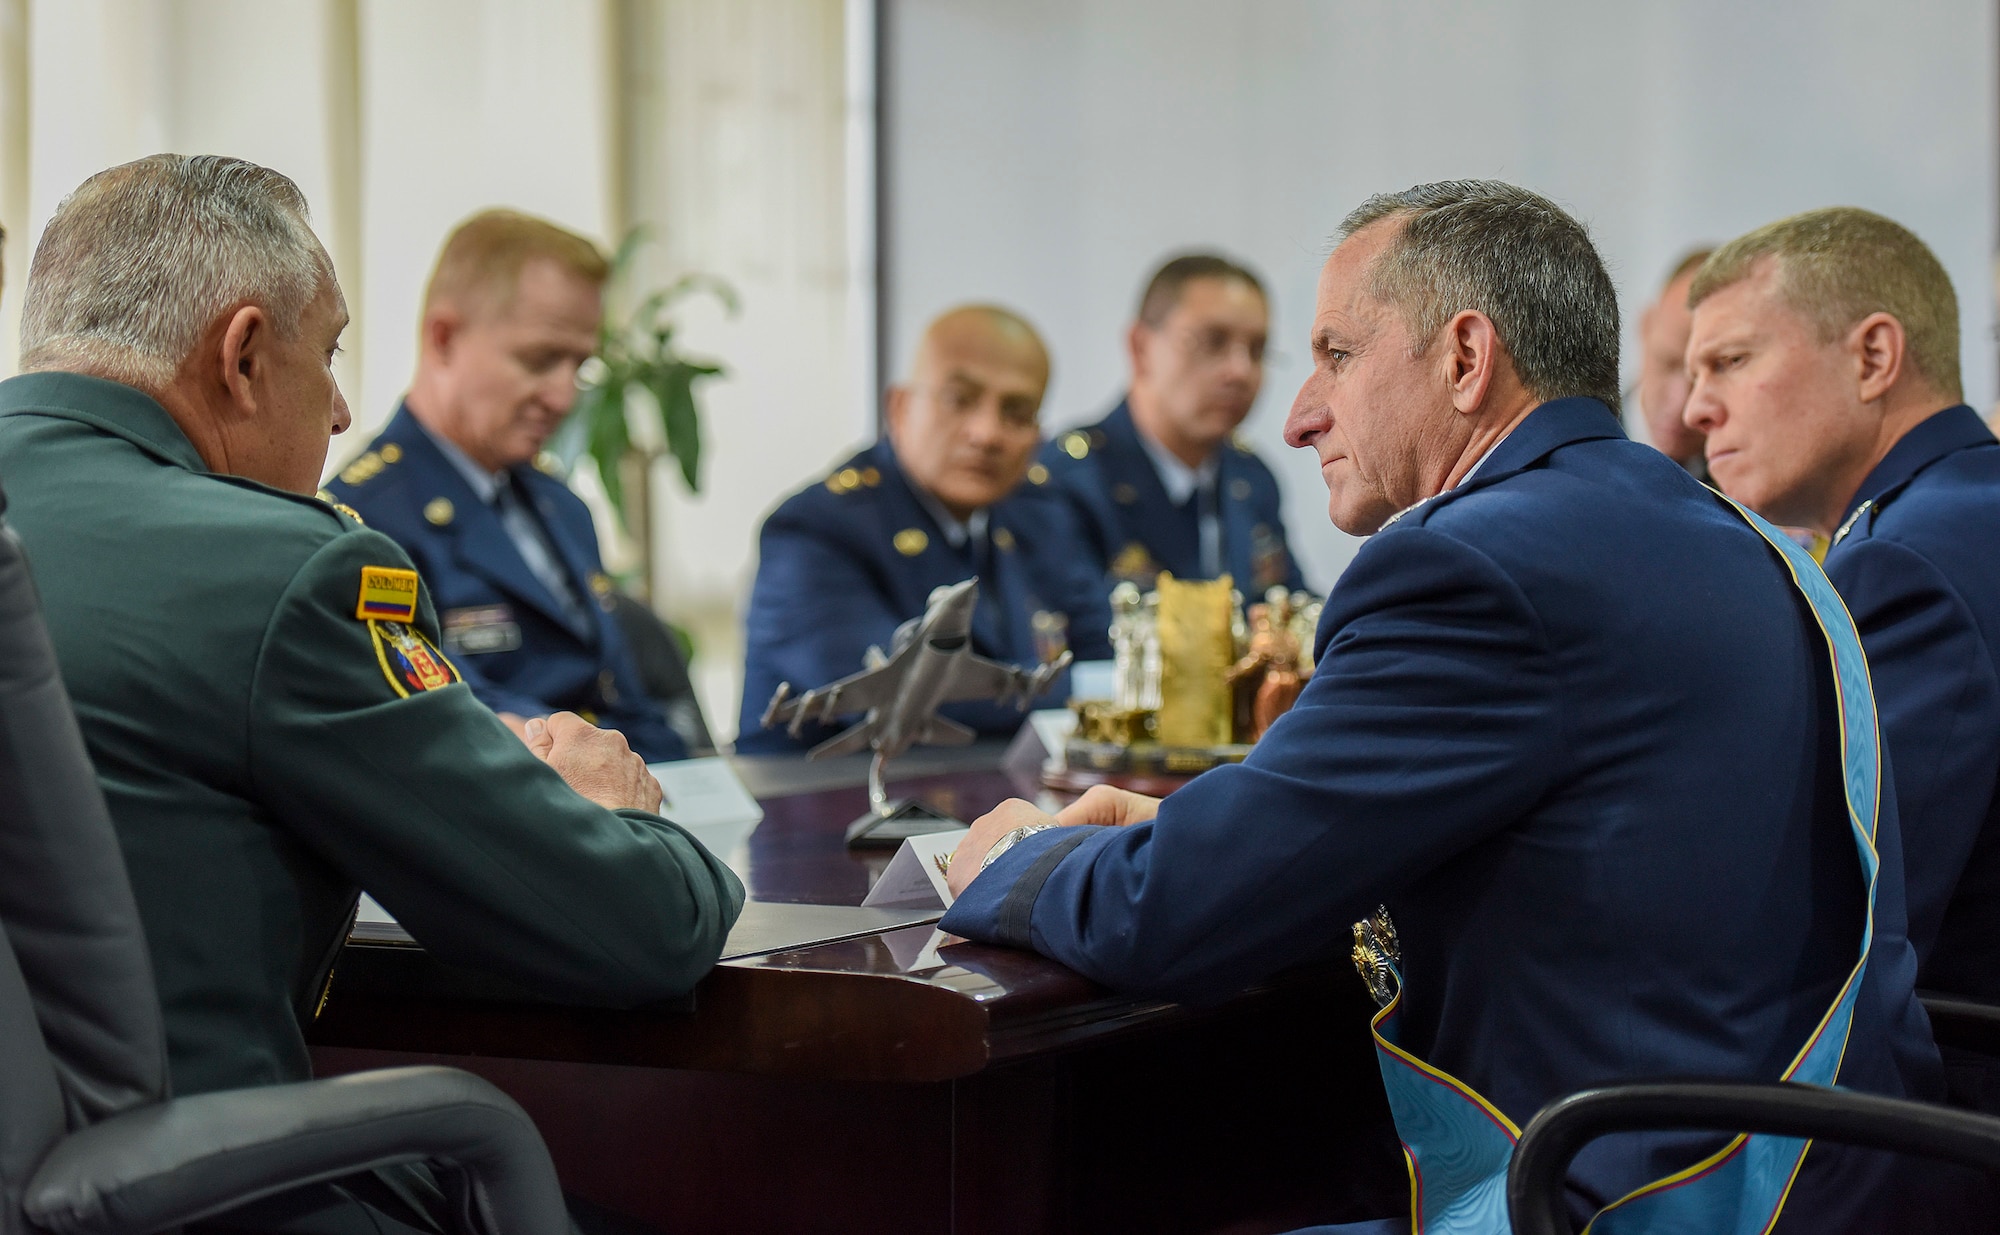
638,366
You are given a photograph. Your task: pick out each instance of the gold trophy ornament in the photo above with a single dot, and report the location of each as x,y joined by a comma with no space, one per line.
1194,683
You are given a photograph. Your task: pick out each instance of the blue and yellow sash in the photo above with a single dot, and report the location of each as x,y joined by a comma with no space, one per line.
1457,1143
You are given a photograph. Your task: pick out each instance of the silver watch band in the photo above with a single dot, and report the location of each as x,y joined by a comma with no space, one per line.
1015,837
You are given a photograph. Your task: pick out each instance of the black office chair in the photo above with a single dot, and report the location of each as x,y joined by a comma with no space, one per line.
90,1142
1535,1200
663,670
1968,1024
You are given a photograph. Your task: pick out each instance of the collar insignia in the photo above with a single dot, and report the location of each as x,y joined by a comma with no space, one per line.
1853,519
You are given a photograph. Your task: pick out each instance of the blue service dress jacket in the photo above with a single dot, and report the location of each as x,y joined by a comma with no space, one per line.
1572,724
516,645
1132,528
844,562
1916,563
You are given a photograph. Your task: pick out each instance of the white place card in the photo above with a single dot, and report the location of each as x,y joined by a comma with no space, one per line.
915,876
706,797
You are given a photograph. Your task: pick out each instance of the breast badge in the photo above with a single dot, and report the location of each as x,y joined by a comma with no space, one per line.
480,630
408,660
388,594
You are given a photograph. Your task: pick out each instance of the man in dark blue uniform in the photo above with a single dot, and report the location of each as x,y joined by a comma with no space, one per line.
1163,482
508,551
939,499
1552,626
1825,355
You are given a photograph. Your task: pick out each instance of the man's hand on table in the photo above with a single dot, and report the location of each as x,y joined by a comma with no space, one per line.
1102,806
597,763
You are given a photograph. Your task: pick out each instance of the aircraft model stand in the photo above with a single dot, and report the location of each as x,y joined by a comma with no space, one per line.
931,663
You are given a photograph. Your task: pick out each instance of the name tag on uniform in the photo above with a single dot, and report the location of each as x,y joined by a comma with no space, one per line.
476,631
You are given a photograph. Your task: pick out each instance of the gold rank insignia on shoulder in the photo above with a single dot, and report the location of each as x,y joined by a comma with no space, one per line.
870,477
438,512
604,589
846,480
1075,443
391,453
370,464
408,660
1003,540
388,594
911,541
1037,474
341,506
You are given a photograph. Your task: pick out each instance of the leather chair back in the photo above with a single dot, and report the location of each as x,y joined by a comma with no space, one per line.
80,1030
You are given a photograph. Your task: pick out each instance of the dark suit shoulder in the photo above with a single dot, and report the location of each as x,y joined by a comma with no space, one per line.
849,495
1073,451
1937,504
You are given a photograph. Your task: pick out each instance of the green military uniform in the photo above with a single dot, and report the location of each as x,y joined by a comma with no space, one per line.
258,681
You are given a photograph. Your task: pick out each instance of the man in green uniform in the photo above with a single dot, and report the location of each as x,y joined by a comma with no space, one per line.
257,675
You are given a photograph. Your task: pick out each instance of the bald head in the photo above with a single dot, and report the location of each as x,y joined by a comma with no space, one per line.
965,423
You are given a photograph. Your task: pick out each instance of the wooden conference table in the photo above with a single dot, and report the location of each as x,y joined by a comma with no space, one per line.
900,1080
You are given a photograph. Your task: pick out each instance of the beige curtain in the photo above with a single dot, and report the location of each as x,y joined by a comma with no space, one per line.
734,151
721,124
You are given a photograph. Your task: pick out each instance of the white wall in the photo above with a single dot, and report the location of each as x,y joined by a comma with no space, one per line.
727,126
1047,153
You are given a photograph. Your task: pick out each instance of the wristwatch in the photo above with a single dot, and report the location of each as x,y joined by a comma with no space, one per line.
1010,839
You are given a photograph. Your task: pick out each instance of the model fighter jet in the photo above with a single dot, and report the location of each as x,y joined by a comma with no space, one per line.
930,663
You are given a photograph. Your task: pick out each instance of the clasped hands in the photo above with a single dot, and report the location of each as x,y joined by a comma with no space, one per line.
597,763
1101,806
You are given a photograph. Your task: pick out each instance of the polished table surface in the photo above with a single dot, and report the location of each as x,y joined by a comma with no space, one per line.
908,1007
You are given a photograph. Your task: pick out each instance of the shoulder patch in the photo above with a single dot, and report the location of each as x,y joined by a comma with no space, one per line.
387,594
911,541
439,512
407,658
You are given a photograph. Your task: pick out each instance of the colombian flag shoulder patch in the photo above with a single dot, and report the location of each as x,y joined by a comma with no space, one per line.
387,595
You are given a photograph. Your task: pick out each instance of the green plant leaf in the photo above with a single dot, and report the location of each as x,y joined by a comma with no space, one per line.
680,424
609,440
640,351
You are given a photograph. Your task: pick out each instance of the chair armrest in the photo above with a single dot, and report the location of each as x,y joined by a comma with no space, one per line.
1535,1176
1964,1023
189,1158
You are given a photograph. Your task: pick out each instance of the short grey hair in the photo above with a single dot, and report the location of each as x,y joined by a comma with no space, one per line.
140,260
1515,256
